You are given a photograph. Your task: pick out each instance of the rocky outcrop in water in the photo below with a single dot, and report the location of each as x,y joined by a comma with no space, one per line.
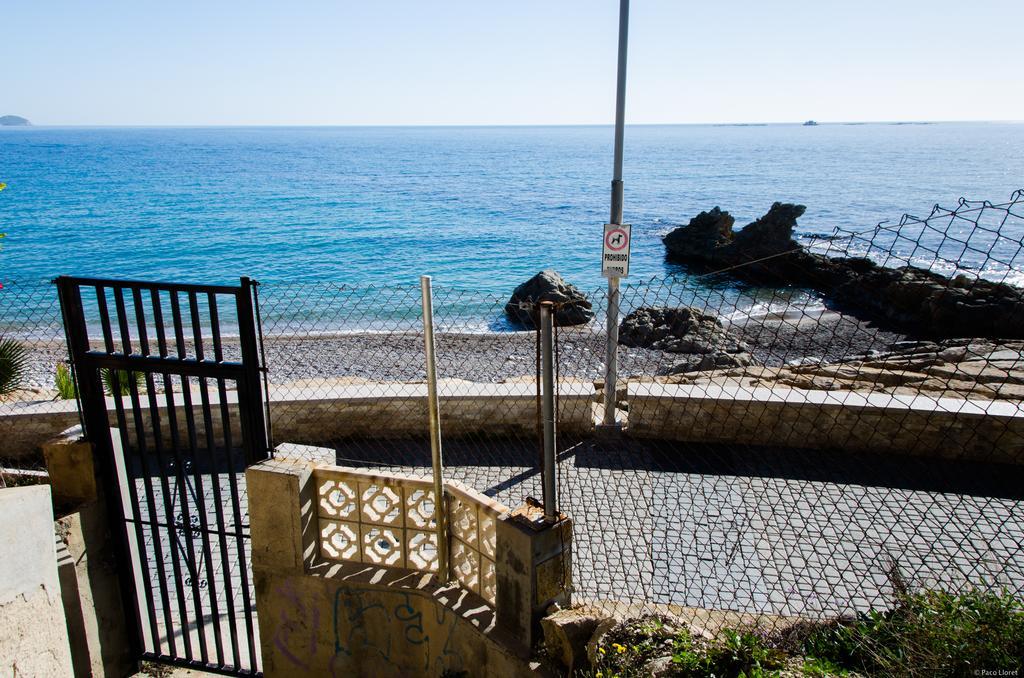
571,306
706,343
13,121
908,299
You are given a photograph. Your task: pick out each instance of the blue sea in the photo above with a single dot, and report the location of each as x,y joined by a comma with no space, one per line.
478,208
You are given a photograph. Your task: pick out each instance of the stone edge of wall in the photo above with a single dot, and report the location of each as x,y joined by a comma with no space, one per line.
839,420
844,420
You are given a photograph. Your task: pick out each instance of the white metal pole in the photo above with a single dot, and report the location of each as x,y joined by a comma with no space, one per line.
440,501
611,351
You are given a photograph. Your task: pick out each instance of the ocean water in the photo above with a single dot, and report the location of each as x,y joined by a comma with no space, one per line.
478,208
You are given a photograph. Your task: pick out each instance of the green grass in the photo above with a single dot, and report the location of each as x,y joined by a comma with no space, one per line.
735,652
928,633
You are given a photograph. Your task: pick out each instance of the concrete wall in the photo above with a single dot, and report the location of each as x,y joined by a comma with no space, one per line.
990,430
328,413
24,426
33,631
846,420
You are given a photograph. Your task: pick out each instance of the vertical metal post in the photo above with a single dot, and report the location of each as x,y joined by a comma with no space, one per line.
251,409
92,401
440,501
547,370
611,353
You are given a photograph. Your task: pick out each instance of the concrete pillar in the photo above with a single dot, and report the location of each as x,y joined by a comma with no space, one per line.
69,463
282,515
534,570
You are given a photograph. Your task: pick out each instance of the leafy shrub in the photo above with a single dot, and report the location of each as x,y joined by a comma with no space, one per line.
13,361
124,379
928,633
64,382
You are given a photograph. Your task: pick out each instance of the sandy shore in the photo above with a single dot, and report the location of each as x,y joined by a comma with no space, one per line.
497,357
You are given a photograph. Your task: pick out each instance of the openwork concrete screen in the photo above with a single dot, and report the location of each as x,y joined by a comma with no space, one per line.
389,520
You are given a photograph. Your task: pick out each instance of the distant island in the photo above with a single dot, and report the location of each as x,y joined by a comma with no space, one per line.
13,121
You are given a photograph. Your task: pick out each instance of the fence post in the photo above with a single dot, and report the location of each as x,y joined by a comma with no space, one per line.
611,350
548,407
440,501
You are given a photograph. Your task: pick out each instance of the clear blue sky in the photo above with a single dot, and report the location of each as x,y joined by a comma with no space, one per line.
223,62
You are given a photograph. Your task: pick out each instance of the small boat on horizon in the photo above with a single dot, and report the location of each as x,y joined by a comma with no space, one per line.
811,123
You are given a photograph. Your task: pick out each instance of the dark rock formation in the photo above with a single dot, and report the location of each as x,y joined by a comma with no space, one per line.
13,121
571,307
908,299
705,233
684,330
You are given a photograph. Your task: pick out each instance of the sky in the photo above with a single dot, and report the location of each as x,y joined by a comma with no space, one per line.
479,62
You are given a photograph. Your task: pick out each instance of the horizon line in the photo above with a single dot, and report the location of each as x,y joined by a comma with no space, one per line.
495,125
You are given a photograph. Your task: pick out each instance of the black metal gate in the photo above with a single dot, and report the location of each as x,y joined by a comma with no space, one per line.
171,387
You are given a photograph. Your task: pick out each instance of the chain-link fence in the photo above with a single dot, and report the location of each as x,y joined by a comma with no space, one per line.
807,421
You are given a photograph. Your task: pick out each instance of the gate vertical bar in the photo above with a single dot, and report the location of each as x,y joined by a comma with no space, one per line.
433,408
611,350
251,419
250,396
92,404
548,399
222,396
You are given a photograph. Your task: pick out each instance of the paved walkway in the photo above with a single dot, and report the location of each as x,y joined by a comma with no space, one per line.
738,529
746,529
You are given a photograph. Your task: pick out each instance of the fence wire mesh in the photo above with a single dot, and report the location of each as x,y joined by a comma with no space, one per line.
809,422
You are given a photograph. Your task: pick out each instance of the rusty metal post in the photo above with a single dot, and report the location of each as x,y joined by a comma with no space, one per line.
547,350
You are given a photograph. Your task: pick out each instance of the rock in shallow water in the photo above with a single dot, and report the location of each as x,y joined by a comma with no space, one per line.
909,299
572,307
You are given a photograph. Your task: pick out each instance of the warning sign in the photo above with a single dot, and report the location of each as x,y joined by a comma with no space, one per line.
615,261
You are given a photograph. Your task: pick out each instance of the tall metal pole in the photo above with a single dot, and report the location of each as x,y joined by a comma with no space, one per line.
548,407
440,501
611,351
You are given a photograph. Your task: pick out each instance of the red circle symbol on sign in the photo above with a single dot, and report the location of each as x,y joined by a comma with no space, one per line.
616,239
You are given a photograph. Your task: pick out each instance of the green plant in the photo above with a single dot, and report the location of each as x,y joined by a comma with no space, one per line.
120,382
735,652
628,646
64,382
13,361
928,633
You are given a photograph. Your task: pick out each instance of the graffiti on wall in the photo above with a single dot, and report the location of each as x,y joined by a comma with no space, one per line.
380,631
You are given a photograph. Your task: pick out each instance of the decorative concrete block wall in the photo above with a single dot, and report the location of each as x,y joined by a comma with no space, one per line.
346,583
